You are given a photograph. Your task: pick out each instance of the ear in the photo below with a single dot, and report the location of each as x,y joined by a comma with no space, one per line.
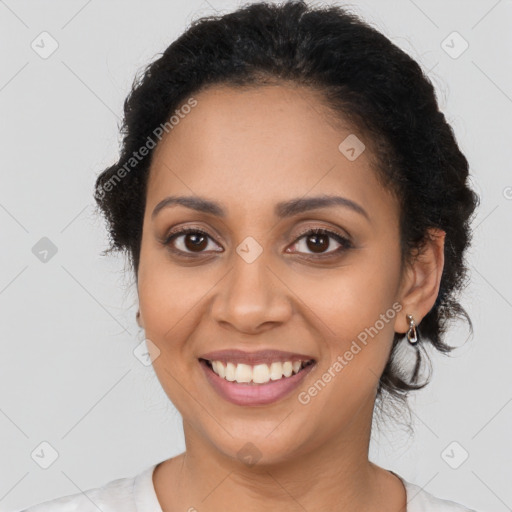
420,284
138,317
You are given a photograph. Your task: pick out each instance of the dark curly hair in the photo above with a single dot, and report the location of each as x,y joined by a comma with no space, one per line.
363,77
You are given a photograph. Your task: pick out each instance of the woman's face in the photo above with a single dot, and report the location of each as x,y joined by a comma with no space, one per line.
255,282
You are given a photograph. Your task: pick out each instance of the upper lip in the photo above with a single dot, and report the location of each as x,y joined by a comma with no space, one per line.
252,358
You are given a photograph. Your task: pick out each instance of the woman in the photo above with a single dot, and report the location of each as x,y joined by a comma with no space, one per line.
295,208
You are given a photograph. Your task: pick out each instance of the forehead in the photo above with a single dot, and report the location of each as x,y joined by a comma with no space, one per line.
260,145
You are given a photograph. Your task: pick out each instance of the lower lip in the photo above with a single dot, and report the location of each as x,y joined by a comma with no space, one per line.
254,394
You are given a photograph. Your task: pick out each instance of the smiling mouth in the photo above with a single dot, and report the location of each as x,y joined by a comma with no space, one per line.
259,374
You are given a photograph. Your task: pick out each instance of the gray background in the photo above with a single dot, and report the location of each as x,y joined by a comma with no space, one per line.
68,375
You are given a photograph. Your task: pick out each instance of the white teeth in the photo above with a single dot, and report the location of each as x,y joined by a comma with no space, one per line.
221,371
258,374
276,371
218,368
243,373
230,371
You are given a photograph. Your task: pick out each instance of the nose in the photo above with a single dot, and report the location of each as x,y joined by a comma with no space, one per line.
252,298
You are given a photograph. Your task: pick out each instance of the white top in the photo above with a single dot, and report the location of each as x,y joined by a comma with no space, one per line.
137,494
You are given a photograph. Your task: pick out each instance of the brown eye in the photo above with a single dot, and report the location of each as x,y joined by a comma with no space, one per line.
195,241
317,243
188,240
319,240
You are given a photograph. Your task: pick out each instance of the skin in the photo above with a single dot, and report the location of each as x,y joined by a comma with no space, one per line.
248,150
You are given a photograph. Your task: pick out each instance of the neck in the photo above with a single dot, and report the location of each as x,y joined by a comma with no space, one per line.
331,475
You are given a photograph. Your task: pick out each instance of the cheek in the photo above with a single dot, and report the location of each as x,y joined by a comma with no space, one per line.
354,312
352,297
357,324
172,302
168,292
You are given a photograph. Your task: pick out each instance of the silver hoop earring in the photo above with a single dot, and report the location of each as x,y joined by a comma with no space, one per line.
412,334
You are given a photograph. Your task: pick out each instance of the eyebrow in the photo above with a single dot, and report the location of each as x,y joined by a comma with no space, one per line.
281,210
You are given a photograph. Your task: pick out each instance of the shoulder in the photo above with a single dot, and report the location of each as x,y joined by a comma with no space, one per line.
114,496
419,500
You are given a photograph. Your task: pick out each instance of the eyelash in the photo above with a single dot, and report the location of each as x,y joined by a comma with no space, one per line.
342,240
